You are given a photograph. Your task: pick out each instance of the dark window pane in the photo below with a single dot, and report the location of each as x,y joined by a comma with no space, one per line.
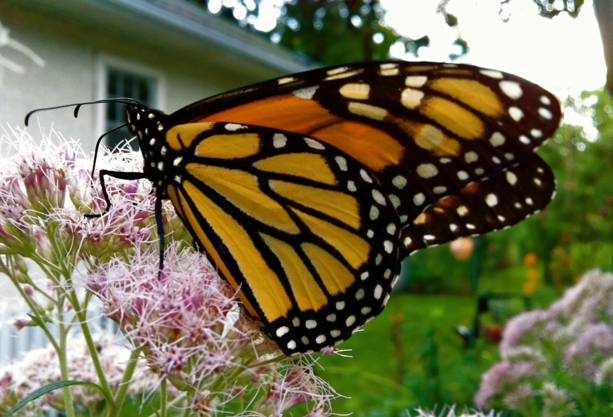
112,83
125,84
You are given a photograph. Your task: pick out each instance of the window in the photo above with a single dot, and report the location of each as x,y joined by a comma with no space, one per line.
125,84
118,78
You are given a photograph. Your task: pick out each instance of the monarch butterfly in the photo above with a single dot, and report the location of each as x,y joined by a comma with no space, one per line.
309,190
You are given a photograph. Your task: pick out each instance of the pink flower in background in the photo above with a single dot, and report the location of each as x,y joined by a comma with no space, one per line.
556,354
519,325
500,374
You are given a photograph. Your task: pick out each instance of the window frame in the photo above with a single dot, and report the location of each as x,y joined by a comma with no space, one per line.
104,63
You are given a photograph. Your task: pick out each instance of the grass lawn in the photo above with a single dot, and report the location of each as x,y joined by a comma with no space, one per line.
410,356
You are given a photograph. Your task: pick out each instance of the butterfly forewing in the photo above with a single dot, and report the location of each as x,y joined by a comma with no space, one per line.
300,227
426,129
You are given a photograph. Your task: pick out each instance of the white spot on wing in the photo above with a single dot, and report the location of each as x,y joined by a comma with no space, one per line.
285,80
306,93
491,200
378,292
279,140
418,199
497,139
365,176
427,170
511,178
399,182
492,74
415,80
536,133
314,144
282,330
374,213
511,88
545,113
342,75
411,98
388,246
471,156
378,197
234,127
395,200
524,139
358,91
463,175
337,70
516,113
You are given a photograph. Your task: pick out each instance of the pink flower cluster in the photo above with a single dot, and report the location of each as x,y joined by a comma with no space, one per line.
36,218
190,331
187,328
39,367
573,337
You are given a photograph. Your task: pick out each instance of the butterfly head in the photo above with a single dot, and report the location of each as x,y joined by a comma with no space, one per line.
148,126
144,122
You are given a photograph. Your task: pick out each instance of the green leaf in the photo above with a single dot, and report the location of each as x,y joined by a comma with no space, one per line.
48,388
36,320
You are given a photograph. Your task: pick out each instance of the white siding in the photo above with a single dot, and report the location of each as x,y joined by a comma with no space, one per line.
72,50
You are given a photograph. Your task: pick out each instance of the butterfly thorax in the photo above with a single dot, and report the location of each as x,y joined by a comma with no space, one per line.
147,125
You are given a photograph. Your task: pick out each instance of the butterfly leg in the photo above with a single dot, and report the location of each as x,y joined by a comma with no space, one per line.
158,205
160,229
115,174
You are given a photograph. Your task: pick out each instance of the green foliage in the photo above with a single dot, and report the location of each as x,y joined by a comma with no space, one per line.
334,32
410,356
340,31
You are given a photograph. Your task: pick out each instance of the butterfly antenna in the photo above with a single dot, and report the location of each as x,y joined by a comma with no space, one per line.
98,145
77,106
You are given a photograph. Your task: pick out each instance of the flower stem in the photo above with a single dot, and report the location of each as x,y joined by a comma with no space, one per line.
82,314
70,412
163,398
125,381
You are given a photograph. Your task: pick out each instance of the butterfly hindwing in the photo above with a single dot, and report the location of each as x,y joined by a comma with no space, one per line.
493,204
300,227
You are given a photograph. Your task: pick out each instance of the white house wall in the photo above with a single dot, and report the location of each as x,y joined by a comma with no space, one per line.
73,50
